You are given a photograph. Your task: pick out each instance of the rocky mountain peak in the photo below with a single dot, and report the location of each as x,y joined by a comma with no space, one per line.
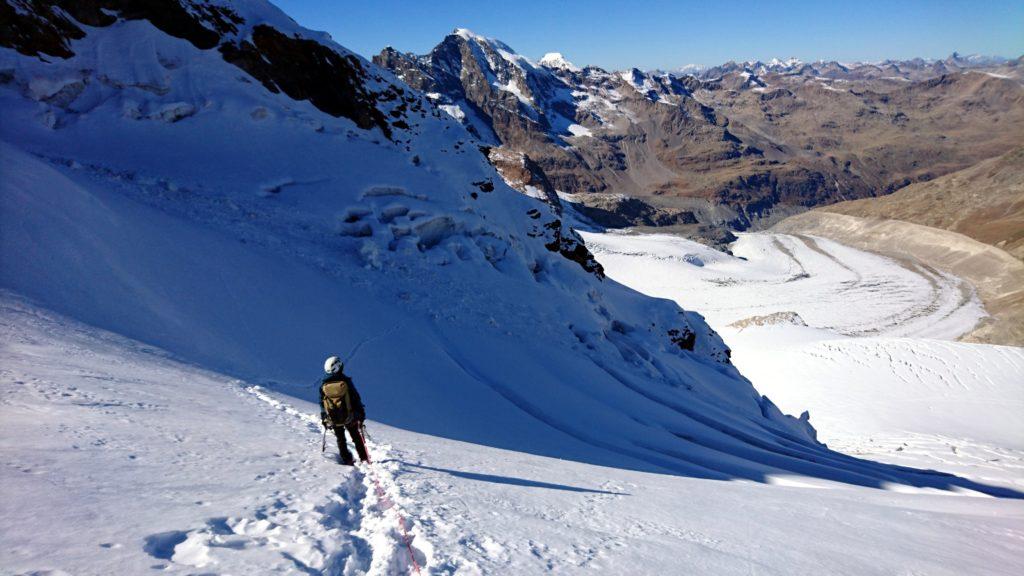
735,145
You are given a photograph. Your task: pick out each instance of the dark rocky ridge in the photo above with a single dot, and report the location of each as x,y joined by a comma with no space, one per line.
523,174
307,70
614,211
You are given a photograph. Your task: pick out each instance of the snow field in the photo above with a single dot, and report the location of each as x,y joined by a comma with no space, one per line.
540,419
866,365
922,403
145,463
242,488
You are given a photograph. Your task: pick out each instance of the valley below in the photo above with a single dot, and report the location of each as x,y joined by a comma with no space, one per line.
865,342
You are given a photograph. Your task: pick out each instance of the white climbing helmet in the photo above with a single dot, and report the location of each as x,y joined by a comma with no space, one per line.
333,364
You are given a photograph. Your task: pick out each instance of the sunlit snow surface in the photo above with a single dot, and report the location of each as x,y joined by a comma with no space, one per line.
126,461
181,249
873,365
829,285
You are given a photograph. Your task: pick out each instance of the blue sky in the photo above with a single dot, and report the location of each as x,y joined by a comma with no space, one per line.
650,34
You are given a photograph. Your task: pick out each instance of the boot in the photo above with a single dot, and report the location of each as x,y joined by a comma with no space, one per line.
346,456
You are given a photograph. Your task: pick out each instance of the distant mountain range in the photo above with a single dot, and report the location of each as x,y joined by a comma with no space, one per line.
920,67
734,146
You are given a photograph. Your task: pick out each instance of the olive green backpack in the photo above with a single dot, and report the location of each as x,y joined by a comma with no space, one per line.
337,400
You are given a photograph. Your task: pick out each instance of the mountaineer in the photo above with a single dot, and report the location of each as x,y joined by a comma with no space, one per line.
341,409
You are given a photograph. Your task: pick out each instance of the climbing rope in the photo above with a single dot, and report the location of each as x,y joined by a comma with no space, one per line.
388,502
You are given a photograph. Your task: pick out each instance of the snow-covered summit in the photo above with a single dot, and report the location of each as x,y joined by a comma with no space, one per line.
494,45
557,61
497,90
784,64
467,34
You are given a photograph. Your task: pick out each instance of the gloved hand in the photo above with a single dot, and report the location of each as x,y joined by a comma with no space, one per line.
327,423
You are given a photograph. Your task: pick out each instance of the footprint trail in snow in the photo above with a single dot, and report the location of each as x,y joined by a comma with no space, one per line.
358,527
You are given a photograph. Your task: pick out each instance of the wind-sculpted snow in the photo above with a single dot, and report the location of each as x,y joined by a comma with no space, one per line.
255,234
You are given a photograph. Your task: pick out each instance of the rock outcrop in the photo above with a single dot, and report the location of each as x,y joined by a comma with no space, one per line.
331,78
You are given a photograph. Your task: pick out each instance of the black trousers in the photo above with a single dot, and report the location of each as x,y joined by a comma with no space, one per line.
357,439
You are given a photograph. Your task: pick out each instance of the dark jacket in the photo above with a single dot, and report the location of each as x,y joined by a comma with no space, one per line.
339,417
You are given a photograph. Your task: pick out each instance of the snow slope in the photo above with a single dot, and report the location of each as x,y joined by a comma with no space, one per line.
226,237
123,460
947,406
257,244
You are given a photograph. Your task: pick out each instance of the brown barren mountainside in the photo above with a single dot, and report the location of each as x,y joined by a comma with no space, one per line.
738,146
985,202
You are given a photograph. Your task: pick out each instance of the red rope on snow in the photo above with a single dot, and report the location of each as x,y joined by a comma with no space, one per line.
383,497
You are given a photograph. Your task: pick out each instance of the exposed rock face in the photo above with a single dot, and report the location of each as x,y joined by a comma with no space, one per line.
589,130
563,240
761,140
308,70
617,211
568,243
685,339
39,31
523,174
772,319
331,78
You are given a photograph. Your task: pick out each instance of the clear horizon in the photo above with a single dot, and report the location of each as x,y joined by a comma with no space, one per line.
649,34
